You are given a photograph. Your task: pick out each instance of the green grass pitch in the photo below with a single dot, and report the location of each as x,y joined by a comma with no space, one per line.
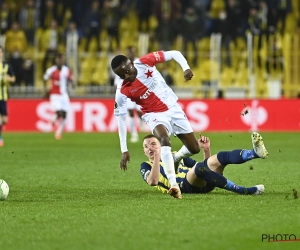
71,194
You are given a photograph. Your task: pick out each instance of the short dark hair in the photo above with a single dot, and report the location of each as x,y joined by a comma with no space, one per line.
150,136
117,60
59,55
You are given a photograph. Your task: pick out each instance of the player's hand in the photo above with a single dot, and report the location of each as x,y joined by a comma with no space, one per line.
155,149
124,159
204,142
188,74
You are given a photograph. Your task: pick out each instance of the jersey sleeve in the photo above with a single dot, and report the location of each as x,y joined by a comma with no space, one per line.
120,103
145,170
10,70
153,58
70,75
189,162
48,74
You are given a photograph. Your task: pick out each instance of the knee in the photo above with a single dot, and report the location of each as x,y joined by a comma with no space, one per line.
165,140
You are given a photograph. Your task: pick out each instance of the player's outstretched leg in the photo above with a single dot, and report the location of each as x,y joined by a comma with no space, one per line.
217,180
258,145
175,192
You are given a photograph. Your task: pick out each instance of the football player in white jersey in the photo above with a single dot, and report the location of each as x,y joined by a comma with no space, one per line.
144,85
59,76
131,106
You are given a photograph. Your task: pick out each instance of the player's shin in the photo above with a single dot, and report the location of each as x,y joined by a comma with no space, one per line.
236,156
220,181
61,126
167,160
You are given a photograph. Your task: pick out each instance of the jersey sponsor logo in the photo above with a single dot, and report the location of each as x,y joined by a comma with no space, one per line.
157,56
148,91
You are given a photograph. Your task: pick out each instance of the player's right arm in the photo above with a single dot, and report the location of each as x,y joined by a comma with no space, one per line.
120,112
153,176
46,77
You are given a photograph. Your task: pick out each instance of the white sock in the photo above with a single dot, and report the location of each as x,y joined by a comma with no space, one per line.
141,125
167,160
61,126
182,153
132,126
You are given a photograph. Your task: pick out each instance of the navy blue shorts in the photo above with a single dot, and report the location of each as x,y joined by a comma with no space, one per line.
187,188
3,108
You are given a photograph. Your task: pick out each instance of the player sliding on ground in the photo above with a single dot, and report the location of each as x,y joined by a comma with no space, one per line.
144,85
201,177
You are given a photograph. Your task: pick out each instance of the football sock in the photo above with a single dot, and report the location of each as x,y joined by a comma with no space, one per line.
167,160
132,126
61,126
239,189
215,179
236,156
182,153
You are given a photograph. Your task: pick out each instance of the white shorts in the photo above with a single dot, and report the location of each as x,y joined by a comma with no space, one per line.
132,105
173,119
59,102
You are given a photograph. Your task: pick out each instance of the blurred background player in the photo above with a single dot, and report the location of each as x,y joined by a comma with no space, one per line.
201,177
59,76
132,107
6,76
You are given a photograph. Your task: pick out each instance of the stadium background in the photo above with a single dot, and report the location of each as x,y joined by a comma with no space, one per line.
237,49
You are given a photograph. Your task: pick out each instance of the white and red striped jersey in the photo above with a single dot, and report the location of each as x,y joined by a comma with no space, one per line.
59,79
149,90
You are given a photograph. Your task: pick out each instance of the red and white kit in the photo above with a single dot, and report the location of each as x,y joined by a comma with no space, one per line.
59,97
157,100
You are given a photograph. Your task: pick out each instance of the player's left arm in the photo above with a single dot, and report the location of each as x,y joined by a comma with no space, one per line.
10,76
71,79
179,58
204,143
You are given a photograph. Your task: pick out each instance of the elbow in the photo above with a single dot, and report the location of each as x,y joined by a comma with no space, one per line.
153,182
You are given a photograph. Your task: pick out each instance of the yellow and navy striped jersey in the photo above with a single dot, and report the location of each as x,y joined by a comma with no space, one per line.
5,69
163,182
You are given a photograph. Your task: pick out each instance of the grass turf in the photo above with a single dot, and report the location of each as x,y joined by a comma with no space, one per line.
71,194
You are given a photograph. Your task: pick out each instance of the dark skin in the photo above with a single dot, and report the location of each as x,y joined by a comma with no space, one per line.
128,72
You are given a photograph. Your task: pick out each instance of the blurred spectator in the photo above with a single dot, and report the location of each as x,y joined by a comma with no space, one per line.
274,60
27,69
144,11
29,20
48,13
15,39
169,7
16,61
93,24
166,33
230,19
214,8
190,30
284,7
72,38
167,76
112,15
51,40
5,18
